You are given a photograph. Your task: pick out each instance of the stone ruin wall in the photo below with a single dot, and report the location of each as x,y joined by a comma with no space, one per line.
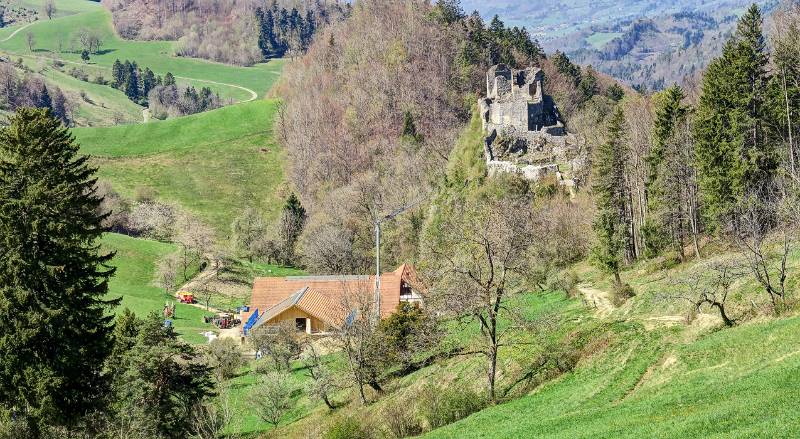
517,110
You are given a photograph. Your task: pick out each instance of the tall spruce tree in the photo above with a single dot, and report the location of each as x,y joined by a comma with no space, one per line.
55,324
671,180
733,151
612,224
118,74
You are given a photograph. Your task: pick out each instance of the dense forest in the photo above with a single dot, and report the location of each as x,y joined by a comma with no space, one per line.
371,117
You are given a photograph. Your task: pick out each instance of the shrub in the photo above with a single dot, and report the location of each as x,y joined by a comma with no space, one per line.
271,399
621,293
144,194
263,366
440,406
79,74
400,419
225,357
566,281
349,427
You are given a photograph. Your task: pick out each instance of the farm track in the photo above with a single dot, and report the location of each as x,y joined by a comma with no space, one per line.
16,32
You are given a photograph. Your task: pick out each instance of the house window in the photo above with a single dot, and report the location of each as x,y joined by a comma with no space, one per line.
300,324
405,290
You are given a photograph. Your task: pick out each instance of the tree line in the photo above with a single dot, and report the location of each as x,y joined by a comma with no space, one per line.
236,32
28,90
162,95
282,31
720,161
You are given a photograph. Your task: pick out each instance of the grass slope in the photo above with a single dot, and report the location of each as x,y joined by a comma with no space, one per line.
214,164
135,261
158,55
102,104
732,383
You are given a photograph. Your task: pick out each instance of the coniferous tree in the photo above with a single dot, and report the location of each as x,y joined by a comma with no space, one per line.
734,153
158,380
149,82
118,73
671,181
44,99
612,224
292,221
132,82
55,324
169,79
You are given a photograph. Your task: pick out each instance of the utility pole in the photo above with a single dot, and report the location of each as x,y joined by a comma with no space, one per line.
378,222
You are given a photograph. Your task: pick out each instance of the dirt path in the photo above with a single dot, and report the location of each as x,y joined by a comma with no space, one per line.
253,94
16,32
597,299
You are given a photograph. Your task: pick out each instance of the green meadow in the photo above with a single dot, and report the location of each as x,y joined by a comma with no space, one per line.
213,164
135,260
740,382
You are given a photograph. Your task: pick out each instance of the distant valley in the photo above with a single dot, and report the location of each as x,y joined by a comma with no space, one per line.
643,43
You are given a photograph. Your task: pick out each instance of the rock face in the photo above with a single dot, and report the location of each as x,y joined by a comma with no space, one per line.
525,134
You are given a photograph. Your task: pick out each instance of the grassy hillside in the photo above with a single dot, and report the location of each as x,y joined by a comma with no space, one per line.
158,55
94,104
135,261
214,164
733,383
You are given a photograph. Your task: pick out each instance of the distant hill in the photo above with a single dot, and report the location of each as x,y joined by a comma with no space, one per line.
551,19
642,43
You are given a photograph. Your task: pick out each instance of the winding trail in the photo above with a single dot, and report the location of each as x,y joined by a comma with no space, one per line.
253,94
16,32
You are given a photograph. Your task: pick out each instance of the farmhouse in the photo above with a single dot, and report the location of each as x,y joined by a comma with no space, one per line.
317,304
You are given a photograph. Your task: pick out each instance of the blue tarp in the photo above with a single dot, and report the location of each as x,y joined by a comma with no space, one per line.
250,322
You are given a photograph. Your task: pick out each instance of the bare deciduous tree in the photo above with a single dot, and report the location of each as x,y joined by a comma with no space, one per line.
763,226
88,39
710,285
210,418
225,357
248,231
196,239
167,273
31,40
323,382
271,399
358,338
480,260
281,343
49,8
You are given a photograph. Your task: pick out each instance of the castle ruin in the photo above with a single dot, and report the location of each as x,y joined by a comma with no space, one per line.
525,134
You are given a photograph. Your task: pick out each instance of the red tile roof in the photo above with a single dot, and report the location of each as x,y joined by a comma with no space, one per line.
329,292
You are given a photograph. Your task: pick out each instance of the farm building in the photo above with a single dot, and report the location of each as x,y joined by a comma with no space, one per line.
316,304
